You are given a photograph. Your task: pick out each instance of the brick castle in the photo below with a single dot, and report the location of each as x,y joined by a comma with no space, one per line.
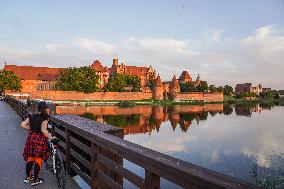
40,82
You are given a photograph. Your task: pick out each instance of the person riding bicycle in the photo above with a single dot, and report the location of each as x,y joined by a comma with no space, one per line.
36,146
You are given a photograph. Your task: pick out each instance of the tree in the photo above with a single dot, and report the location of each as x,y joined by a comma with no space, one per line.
151,80
135,81
187,87
220,89
203,86
83,79
270,94
212,88
228,90
118,82
9,81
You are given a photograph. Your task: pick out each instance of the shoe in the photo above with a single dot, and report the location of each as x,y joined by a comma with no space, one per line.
36,181
28,179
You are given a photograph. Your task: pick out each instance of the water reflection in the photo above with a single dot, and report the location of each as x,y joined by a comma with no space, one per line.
231,139
145,119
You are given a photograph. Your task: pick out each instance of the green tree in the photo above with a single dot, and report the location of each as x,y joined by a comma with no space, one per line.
212,88
203,86
118,82
270,94
187,87
228,90
220,89
151,80
9,81
135,81
83,79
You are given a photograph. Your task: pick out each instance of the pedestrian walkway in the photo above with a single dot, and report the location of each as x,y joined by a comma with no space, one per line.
12,164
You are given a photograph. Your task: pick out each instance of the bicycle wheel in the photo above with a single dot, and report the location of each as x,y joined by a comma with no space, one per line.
60,170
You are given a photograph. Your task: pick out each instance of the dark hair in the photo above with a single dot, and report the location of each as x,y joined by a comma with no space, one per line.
29,104
41,107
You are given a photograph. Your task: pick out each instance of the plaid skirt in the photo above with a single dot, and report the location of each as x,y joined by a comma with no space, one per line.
36,146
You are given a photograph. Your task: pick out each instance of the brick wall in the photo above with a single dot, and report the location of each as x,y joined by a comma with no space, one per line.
199,96
72,95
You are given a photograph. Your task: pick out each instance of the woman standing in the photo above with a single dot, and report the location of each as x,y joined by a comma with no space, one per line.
36,146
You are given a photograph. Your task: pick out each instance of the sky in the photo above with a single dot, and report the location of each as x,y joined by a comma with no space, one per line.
225,41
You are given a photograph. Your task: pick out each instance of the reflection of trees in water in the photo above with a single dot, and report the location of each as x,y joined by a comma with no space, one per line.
90,116
122,120
228,109
269,180
116,120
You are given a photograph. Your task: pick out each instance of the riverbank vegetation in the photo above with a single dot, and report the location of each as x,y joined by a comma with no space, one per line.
83,79
119,82
9,81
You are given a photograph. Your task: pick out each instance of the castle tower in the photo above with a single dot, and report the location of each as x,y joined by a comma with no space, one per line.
115,60
198,77
174,89
158,89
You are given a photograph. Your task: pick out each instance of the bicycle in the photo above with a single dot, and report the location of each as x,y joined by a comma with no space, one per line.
55,163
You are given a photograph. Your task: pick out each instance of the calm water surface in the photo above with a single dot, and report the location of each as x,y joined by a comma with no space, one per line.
231,140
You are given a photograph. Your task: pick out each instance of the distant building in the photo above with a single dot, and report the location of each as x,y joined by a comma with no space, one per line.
35,78
185,77
247,87
144,73
44,78
281,93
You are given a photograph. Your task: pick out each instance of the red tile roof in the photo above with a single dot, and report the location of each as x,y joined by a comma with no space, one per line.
34,73
185,76
134,70
97,66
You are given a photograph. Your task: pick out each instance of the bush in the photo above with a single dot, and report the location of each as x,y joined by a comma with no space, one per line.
126,104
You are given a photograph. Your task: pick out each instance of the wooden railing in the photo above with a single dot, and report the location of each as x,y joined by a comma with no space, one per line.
96,151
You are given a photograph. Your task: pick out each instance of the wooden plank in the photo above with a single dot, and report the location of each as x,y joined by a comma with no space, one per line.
152,181
59,132
172,169
95,166
62,144
81,159
68,153
108,181
132,177
80,145
83,175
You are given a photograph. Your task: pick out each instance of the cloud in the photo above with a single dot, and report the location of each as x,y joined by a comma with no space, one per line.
256,58
212,35
94,46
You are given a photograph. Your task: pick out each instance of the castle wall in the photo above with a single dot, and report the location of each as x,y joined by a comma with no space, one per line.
199,96
73,95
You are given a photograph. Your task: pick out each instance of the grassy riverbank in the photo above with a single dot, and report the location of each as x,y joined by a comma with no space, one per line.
131,103
227,100
232,100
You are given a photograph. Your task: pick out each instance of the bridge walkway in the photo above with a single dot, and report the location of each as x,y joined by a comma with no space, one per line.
12,164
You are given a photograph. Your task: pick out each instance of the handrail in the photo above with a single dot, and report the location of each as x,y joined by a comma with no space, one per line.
95,151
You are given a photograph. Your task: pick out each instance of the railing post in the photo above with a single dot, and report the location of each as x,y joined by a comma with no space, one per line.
95,183
68,153
152,181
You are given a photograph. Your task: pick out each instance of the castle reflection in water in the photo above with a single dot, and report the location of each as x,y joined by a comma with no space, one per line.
148,118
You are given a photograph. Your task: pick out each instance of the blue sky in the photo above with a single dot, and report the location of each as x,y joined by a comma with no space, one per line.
224,41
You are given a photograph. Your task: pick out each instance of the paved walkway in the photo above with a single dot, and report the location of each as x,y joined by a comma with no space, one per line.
12,164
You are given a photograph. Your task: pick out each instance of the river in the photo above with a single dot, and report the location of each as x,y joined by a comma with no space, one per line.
245,142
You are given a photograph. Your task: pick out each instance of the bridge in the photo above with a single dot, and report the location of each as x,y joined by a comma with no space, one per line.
96,151
12,164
